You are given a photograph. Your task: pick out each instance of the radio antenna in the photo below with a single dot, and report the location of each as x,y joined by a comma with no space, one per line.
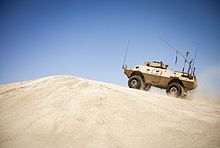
187,54
177,51
176,58
126,52
193,68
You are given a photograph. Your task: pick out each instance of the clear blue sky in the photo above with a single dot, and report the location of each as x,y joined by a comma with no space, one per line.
88,38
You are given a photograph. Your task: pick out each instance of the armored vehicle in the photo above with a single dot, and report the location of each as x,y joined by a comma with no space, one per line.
156,74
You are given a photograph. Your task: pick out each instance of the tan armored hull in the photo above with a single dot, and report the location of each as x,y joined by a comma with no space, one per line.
156,74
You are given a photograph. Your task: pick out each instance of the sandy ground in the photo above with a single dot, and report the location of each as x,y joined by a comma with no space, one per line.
70,112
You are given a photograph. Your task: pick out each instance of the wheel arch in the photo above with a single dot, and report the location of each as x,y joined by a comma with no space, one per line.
138,73
177,81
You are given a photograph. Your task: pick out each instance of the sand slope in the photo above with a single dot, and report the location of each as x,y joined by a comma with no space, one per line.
70,112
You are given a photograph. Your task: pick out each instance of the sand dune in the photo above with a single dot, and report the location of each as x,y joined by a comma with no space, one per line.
70,112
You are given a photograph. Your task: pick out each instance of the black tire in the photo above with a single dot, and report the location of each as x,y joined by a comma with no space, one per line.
135,82
174,89
147,87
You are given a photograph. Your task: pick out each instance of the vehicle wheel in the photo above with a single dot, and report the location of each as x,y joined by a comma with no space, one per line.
174,89
135,82
147,87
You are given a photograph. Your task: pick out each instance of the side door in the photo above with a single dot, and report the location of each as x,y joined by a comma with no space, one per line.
156,76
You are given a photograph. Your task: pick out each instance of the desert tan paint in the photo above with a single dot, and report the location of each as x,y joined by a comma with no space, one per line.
161,76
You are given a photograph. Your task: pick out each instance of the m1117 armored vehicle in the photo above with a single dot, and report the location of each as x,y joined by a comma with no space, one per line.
156,74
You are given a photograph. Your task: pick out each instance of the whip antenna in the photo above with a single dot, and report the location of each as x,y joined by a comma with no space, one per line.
177,51
193,68
126,52
176,58
187,53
